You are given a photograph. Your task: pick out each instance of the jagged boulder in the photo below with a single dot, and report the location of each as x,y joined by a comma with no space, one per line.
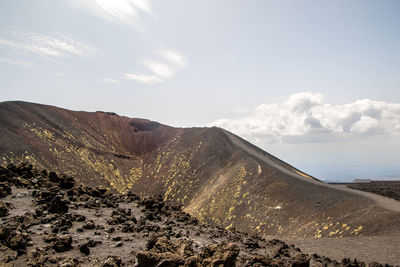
221,254
165,252
153,259
5,189
3,209
112,261
63,223
153,202
59,243
12,236
63,181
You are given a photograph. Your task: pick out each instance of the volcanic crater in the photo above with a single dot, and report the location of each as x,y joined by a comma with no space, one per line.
215,176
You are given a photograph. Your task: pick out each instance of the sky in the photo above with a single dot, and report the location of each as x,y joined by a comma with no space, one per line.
314,82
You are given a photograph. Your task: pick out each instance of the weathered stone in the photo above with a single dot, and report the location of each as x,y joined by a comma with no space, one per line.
112,261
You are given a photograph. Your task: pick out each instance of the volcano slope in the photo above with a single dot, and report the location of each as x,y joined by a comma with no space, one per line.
218,177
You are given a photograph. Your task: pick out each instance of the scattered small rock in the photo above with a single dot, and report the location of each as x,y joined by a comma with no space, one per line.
89,225
84,249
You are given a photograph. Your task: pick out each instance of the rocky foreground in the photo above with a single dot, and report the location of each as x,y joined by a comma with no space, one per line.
49,220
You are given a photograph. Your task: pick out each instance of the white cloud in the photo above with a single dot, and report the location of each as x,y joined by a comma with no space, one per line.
303,117
159,69
22,63
116,11
144,5
47,46
31,48
174,57
143,78
65,45
171,62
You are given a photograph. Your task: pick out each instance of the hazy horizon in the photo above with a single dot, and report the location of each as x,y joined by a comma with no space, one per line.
313,83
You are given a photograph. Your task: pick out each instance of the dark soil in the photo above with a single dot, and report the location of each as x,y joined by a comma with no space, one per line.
49,220
389,189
